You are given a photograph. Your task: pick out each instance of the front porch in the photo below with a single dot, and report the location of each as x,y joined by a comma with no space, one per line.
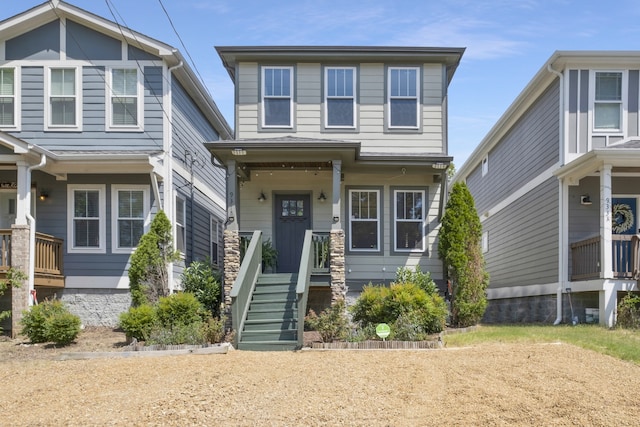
48,259
586,258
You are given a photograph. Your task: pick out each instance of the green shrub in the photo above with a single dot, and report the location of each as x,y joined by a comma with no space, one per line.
214,329
181,308
200,279
423,280
332,323
406,304
14,280
193,333
50,321
629,312
138,321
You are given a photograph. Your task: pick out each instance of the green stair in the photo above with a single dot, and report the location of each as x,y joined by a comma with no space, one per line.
272,318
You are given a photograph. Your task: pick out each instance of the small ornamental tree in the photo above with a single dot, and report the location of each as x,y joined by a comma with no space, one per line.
459,246
148,273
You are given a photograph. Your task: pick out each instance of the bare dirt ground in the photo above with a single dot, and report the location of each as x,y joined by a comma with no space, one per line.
492,384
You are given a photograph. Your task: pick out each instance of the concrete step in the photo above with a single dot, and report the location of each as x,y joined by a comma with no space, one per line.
288,345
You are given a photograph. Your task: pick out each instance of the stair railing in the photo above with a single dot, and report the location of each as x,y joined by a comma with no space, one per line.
245,283
304,277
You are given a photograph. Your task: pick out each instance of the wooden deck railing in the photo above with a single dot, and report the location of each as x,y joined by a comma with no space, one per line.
585,257
48,253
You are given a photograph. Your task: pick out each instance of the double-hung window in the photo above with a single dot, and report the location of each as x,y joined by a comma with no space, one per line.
87,213
8,98
181,225
277,99
63,98
403,90
409,221
364,220
340,101
214,238
607,108
125,106
129,214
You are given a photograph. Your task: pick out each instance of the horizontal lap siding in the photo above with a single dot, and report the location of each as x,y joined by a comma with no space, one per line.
530,147
523,239
247,102
93,134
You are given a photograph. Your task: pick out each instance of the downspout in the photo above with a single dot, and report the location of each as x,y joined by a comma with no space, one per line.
169,199
562,206
32,230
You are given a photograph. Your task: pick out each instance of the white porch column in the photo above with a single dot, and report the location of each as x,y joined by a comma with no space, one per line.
608,300
24,193
336,196
606,270
232,222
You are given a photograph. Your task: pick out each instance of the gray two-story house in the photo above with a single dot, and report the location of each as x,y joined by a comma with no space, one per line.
100,128
347,145
556,186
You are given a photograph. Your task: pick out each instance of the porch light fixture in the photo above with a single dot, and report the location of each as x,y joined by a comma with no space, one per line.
262,197
239,151
585,200
44,195
439,165
322,198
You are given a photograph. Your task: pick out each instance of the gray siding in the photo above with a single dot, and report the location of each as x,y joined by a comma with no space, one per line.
40,43
83,43
528,149
523,239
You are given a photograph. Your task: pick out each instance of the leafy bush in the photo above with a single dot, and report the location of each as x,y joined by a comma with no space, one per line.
193,333
423,280
14,280
181,308
138,321
401,303
200,279
332,323
629,312
50,321
214,329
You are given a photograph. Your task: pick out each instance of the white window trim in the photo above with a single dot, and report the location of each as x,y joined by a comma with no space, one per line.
175,222
114,214
110,127
102,218
623,103
485,165
417,97
17,100
326,98
262,90
48,126
422,221
214,235
378,221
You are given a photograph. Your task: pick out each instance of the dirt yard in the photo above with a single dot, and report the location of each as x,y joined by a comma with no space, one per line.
496,384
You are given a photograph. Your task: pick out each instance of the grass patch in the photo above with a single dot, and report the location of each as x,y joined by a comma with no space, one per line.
620,343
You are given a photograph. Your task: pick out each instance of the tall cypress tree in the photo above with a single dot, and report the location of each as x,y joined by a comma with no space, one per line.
459,246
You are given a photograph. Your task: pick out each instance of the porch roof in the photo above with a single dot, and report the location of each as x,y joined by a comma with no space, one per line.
623,156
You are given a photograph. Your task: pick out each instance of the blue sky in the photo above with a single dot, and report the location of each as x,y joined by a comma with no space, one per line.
507,41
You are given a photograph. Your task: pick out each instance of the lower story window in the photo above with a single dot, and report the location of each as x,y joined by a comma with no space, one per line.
130,211
409,221
181,229
364,220
215,241
87,218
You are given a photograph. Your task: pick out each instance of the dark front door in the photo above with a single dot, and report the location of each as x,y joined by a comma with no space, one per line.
293,218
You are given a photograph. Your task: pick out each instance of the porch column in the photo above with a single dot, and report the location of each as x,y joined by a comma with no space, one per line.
23,204
608,299
606,270
19,261
337,239
231,240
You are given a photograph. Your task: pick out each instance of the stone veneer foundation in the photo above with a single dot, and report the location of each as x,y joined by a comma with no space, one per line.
337,266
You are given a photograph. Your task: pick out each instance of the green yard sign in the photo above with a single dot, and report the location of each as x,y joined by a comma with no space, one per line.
383,330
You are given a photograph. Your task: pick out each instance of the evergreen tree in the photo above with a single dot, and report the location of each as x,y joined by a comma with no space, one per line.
459,246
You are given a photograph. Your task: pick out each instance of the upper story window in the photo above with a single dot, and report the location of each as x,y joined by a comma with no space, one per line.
364,220
340,101
9,111
409,221
403,100
277,99
129,207
485,165
63,99
87,217
607,108
125,107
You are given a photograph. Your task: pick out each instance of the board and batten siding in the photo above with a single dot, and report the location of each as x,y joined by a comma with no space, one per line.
523,239
370,109
529,148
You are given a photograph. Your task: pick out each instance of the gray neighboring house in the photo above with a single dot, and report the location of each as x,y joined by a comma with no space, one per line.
347,142
101,127
556,184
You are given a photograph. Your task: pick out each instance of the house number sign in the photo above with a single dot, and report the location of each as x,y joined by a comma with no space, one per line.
12,185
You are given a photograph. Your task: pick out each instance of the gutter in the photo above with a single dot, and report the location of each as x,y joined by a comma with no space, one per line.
32,231
562,208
